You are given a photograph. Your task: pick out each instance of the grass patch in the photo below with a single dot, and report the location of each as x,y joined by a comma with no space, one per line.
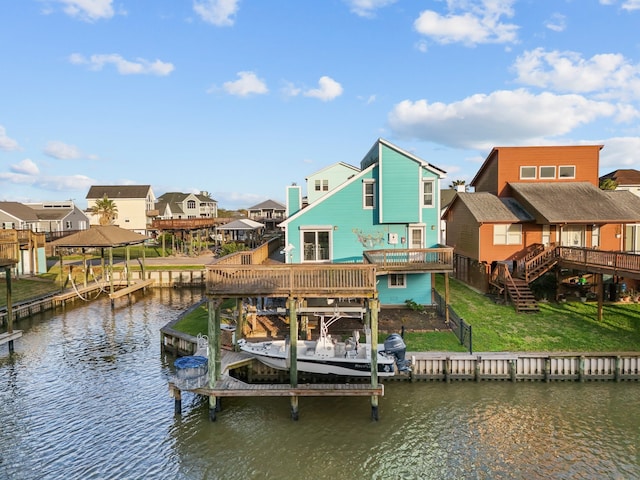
25,289
571,326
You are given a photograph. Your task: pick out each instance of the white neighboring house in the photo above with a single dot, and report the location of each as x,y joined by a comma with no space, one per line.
135,204
177,205
269,212
59,217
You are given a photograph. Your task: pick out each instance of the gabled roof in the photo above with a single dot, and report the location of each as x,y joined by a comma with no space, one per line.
101,236
446,196
242,224
488,208
19,211
118,191
627,176
576,202
342,164
52,213
268,205
372,157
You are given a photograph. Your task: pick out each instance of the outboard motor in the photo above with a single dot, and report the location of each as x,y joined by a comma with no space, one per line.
394,345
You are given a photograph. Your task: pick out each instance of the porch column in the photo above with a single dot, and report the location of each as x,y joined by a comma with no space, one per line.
446,298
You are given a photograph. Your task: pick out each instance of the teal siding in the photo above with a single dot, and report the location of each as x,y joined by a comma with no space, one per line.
399,188
418,289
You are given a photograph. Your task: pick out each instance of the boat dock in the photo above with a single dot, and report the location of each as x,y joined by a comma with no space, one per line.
228,386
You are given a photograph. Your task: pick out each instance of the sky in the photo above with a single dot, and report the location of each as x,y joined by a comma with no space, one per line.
240,98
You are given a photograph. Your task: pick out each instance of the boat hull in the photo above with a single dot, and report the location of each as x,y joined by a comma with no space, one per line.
275,355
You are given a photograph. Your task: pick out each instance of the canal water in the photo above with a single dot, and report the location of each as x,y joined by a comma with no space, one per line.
85,397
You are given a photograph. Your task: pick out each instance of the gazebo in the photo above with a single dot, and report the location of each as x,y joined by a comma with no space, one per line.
102,237
243,230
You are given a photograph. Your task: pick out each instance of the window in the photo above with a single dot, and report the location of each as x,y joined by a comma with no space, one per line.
547,172
68,225
507,234
527,173
191,204
397,280
368,194
566,171
315,245
595,236
427,193
322,185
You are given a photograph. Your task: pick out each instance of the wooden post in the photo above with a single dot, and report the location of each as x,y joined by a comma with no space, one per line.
61,271
600,293
84,266
213,331
111,275
446,298
177,401
163,243
126,263
239,323
373,320
293,342
7,272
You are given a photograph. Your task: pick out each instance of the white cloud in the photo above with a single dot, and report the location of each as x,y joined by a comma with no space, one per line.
469,22
6,143
502,117
62,151
217,12
328,89
367,8
247,84
607,74
124,67
88,10
25,167
631,5
619,152
30,176
556,23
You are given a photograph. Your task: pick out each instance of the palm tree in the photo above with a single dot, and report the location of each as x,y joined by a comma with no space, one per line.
455,184
106,210
608,184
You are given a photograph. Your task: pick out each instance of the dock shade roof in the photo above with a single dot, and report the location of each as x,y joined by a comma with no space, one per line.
244,224
101,236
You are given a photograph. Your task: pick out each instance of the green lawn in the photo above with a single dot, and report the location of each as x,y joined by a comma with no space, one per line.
571,326
26,289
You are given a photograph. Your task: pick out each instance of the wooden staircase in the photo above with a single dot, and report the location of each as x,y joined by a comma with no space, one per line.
537,261
521,296
517,289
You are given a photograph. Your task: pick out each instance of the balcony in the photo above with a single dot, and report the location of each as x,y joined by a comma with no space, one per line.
411,260
297,280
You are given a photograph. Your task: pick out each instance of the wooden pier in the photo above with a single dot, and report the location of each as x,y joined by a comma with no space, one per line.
228,386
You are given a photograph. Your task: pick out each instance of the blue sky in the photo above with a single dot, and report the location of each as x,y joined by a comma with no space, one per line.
241,98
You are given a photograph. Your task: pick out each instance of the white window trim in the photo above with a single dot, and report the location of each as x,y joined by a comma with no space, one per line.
555,172
567,166
507,235
535,171
399,275
366,182
433,192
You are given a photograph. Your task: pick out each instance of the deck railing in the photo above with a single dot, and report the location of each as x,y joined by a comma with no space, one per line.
9,247
411,259
283,280
188,223
619,262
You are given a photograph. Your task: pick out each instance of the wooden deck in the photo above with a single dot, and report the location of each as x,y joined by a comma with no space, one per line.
411,260
228,386
130,289
9,337
284,280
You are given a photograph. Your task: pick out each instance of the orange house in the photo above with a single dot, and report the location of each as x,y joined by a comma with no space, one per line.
527,197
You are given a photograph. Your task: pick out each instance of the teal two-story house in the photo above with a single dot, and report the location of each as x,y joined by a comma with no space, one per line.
387,213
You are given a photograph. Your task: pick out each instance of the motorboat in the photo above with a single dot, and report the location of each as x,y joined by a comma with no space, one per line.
328,355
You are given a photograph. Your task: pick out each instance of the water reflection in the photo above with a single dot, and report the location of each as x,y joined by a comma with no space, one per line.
85,396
